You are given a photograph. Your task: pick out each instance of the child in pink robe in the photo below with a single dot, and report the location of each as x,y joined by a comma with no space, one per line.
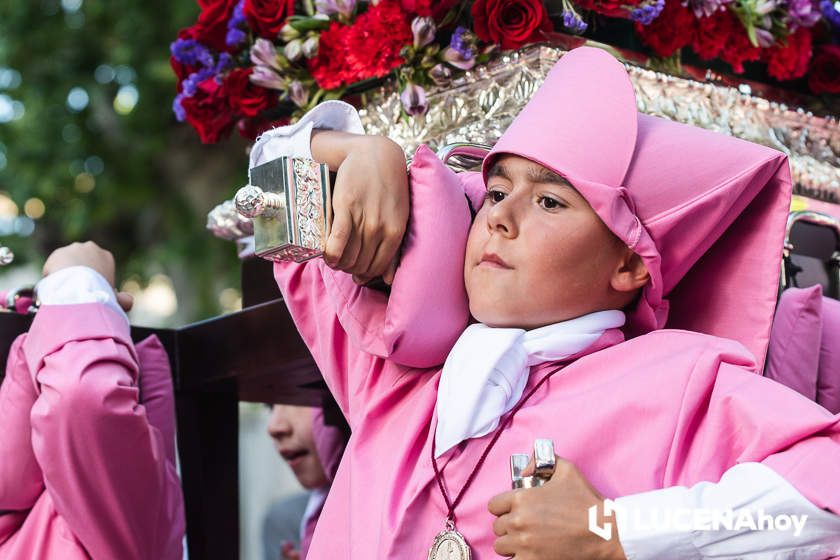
312,449
87,445
652,420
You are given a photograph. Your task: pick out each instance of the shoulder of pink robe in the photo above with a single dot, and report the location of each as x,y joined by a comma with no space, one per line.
351,329
729,414
107,461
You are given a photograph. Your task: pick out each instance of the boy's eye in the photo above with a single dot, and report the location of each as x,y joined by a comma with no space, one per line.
551,203
494,195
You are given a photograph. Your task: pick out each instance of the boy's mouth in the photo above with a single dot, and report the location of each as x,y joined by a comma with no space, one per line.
291,455
493,260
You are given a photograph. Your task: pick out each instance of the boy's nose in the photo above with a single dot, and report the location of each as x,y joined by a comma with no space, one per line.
502,218
278,426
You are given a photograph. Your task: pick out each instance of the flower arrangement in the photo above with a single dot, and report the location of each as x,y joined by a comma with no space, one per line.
255,64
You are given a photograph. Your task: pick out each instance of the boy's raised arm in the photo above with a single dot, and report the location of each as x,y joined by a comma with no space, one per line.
370,202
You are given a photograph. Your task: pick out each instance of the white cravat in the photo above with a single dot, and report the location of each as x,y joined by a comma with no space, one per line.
487,370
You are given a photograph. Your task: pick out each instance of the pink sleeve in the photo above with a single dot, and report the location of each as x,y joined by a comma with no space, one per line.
345,325
105,466
21,481
314,309
732,415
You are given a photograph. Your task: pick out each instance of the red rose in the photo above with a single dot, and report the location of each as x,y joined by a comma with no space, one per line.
825,70
267,17
328,67
791,61
510,23
671,31
375,40
435,8
611,8
245,97
211,27
208,111
711,33
737,50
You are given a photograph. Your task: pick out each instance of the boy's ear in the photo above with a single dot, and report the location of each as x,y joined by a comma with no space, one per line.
631,273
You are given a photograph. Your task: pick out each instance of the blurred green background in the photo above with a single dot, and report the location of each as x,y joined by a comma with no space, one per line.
90,149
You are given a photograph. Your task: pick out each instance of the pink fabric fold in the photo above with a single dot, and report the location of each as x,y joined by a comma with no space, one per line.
828,380
794,353
104,460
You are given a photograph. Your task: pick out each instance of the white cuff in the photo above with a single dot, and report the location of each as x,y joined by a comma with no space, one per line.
640,538
77,284
294,140
650,524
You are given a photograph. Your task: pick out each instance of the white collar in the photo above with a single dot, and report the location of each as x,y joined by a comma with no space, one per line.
487,370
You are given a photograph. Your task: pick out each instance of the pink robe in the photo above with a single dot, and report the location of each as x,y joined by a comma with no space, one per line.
87,471
668,408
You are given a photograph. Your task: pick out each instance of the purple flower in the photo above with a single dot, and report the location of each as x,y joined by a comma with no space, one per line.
463,42
461,50
573,22
646,13
190,84
224,64
178,109
705,8
831,11
236,25
456,59
441,74
764,37
235,37
239,14
298,93
413,98
263,53
191,53
803,13
424,30
329,7
267,78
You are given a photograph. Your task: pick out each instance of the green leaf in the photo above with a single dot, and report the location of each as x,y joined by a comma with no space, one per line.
305,24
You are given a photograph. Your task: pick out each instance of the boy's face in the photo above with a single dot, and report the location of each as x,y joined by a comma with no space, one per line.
291,429
558,257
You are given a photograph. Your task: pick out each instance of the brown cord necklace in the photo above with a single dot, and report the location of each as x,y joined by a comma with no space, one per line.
449,544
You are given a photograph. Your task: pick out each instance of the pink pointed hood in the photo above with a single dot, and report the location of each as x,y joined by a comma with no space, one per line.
705,211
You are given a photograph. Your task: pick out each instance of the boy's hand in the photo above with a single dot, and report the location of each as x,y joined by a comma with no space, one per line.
87,254
91,255
370,210
552,522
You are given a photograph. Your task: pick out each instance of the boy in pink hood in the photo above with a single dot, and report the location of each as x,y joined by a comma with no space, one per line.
87,445
595,228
